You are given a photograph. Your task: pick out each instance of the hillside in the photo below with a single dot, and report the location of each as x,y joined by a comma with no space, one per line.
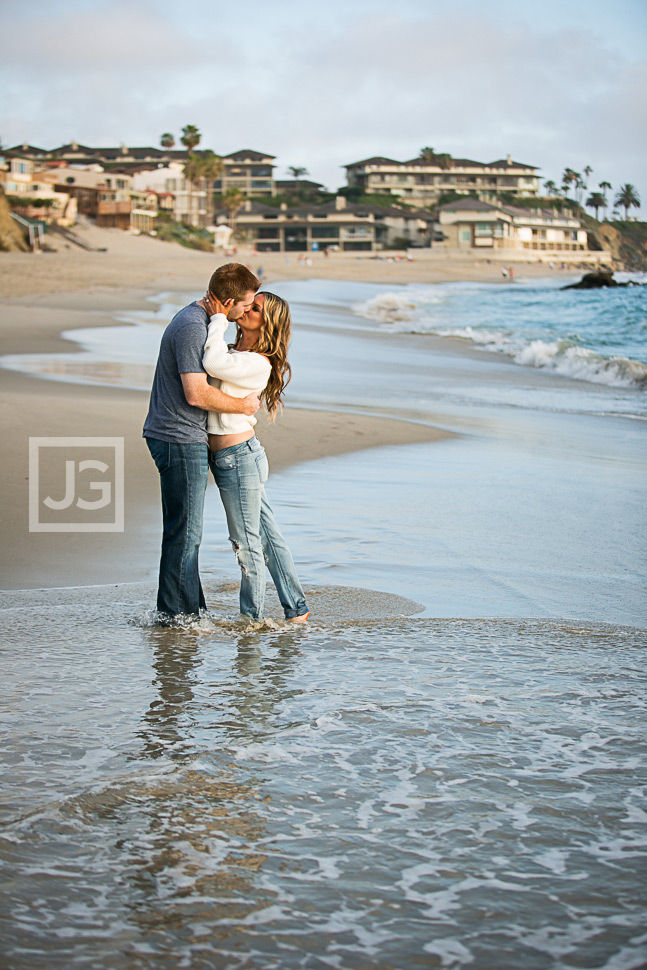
12,239
626,240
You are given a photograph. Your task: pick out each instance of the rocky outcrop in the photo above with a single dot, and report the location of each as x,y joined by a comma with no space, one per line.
12,237
597,280
627,242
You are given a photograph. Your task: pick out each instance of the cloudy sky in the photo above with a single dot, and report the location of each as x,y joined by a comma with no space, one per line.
321,84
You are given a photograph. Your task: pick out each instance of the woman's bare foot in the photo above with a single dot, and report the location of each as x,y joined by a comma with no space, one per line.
299,619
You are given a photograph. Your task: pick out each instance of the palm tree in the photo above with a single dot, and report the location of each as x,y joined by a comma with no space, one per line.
587,174
627,197
190,139
233,200
579,188
605,186
297,171
596,201
211,167
167,140
568,178
550,187
192,172
431,157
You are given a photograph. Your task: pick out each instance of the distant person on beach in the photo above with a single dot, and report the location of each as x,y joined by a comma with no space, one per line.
176,434
257,363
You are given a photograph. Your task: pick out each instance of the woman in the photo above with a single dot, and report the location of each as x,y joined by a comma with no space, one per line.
257,362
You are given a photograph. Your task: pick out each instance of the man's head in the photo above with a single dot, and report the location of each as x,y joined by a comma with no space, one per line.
234,285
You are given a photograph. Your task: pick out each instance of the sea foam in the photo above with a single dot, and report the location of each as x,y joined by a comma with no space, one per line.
413,312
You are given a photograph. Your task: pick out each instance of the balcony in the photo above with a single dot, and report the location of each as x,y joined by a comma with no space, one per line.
114,208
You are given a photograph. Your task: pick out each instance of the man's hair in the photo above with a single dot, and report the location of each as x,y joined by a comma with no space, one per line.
232,281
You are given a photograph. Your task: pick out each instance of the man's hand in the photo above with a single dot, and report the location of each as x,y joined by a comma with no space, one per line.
251,404
212,304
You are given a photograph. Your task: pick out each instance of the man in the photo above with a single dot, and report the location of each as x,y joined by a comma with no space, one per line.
176,434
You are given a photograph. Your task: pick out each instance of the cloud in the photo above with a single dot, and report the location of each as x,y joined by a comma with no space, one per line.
324,86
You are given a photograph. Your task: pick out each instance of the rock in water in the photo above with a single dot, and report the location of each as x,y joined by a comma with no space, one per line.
593,281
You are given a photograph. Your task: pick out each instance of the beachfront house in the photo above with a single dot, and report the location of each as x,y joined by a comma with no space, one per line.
473,225
248,171
184,202
422,181
85,185
30,193
338,225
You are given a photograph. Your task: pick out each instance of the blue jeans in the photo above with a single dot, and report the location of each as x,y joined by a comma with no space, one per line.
184,472
240,473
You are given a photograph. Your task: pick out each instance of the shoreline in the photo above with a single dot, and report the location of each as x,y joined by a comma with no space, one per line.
37,407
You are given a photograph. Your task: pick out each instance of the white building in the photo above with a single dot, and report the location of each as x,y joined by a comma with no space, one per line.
421,181
189,202
471,224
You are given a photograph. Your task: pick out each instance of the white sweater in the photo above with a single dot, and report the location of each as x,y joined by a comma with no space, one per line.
236,372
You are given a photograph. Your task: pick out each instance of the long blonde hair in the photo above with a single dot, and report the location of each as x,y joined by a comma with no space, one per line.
272,342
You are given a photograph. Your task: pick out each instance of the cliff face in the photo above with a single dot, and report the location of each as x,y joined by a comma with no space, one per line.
12,239
626,240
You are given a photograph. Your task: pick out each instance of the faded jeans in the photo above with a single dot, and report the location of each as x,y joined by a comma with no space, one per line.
184,473
240,473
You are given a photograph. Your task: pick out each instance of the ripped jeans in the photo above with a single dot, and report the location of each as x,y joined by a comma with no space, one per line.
240,473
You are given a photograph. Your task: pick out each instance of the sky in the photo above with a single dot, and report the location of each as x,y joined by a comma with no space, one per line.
554,83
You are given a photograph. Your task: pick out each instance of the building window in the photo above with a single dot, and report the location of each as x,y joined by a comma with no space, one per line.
325,232
483,229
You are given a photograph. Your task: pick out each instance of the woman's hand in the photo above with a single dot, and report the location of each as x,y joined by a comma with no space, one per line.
212,304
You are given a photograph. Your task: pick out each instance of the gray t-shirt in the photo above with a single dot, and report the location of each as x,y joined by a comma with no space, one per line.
170,417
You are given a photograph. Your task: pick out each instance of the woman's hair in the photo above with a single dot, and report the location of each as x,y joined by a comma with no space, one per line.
272,342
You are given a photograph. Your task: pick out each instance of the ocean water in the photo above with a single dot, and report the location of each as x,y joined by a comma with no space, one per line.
447,767
378,790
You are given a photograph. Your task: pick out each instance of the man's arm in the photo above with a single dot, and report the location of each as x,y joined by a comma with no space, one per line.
200,394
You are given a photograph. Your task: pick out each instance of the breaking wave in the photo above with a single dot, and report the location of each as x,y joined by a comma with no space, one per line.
564,357
413,312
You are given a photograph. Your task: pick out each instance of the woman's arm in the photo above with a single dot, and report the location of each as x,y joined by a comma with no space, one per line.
246,369
199,394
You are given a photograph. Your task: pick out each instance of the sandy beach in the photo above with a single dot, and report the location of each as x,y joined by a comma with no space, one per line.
133,262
